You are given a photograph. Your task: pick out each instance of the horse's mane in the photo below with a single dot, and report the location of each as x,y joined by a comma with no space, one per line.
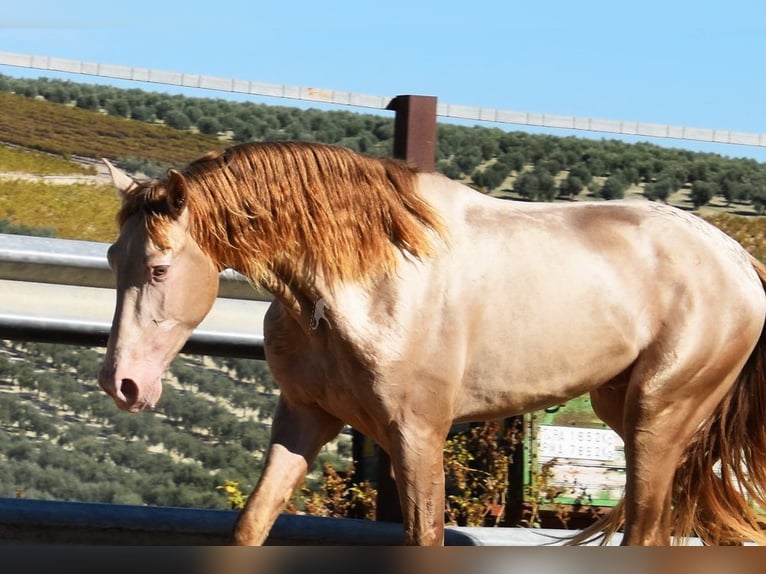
272,207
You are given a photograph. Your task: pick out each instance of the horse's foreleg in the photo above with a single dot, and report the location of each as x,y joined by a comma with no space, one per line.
417,458
297,434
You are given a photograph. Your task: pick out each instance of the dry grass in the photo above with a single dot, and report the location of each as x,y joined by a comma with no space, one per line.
88,212
72,211
749,231
69,131
13,159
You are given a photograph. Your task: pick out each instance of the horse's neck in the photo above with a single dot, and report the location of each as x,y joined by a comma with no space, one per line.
302,296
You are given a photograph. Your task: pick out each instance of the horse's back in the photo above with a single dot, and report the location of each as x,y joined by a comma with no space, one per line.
631,241
561,298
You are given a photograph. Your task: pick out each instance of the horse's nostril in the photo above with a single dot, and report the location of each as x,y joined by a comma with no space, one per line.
129,390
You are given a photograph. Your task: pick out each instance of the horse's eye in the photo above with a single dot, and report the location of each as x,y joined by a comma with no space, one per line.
160,272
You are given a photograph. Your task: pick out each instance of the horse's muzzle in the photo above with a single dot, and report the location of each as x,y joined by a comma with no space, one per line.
127,393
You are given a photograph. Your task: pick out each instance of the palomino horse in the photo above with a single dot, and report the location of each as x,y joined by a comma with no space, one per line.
445,305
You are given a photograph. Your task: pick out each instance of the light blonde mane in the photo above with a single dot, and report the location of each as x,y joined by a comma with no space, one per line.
284,207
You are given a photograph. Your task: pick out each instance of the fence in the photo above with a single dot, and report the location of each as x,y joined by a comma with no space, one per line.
62,291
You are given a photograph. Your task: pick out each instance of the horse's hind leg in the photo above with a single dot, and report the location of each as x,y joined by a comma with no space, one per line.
664,405
297,434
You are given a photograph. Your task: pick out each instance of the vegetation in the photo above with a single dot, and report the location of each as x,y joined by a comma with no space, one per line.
749,231
58,116
338,495
13,229
72,211
476,467
477,463
68,131
15,159
62,438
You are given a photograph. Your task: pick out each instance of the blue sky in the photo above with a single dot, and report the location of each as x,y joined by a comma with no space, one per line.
698,64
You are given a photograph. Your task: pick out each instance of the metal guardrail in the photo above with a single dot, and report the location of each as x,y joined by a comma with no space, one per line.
53,522
62,291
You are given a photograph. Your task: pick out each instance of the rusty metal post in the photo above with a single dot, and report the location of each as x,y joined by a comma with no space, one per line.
415,130
515,506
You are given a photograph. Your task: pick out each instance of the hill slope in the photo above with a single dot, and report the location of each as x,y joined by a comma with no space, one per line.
69,131
62,437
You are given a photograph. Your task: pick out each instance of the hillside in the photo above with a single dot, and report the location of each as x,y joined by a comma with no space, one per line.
53,114
70,131
63,439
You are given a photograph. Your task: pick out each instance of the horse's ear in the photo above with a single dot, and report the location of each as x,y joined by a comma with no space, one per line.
176,192
122,181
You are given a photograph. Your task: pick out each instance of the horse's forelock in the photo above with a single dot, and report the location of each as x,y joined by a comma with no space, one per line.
150,200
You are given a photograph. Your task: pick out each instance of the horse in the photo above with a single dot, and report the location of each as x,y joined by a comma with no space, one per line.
445,305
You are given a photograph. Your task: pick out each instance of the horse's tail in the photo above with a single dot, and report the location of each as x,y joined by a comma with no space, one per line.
721,479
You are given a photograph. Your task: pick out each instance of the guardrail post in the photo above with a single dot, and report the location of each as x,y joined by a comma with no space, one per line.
415,130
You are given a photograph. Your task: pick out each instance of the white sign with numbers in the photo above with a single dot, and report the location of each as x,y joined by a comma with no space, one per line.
574,442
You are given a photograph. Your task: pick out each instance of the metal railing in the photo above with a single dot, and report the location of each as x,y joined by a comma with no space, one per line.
53,522
62,291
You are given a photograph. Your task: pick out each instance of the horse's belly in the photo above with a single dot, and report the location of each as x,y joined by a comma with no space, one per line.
493,398
537,371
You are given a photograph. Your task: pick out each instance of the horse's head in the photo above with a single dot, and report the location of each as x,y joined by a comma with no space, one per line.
166,285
